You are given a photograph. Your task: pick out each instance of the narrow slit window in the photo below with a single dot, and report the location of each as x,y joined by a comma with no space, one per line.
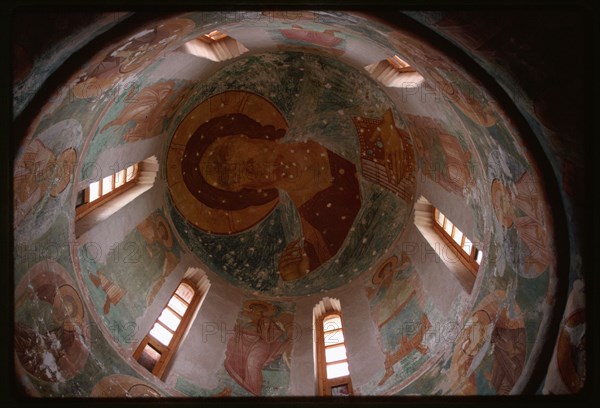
165,336
395,72
468,254
333,371
215,46
108,187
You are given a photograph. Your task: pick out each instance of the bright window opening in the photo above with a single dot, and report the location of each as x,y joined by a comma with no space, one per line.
467,252
215,46
158,347
108,187
395,72
332,357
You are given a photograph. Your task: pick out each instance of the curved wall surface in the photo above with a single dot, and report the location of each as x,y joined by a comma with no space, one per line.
287,174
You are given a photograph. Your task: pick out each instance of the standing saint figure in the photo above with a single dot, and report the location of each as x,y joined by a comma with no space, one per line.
255,345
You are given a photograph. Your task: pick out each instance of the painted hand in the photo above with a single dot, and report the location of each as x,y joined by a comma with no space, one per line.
293,263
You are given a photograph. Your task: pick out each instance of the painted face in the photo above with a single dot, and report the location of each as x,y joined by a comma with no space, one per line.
236,162
502,204
473,339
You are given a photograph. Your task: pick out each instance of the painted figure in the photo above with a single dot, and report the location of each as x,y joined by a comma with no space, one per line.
445,160
445,79
38,173
525,212
159,242
325,38
55,346
322,185
136,53
497,328
395,304
147,110
255,345
226,167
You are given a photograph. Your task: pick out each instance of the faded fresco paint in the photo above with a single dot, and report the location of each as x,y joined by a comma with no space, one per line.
258,354
460,142
320,213
124,285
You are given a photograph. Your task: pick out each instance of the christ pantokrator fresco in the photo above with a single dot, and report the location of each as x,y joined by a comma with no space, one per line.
233,167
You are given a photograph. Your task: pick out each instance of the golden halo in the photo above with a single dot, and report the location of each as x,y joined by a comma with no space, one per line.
203,215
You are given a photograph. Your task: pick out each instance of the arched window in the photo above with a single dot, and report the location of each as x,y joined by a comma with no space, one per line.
333,372
158,347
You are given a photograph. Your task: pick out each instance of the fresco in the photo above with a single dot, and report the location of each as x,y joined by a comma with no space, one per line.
444,78
308,35
567,373
397,306
124,386
125,283
190,389
525,213
262,171
130,57
147,110
42,174
441,156
387,157
327,113
497,329
557,126
133,113
50,332
34,56
262,342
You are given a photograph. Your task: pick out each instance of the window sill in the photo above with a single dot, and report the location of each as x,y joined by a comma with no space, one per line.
109,208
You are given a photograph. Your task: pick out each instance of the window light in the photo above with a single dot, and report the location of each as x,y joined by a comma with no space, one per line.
158,347
467,252
332,356
108,187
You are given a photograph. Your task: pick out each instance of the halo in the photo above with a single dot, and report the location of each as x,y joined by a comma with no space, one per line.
65,163
142,390
204,206
269,309
499,188
386,269
68,307
160,221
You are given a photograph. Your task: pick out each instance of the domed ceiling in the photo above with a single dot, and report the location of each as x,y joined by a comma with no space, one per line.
287,171
285,168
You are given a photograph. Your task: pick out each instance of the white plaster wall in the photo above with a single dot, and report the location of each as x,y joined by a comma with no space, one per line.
302,376
365,357
202,353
